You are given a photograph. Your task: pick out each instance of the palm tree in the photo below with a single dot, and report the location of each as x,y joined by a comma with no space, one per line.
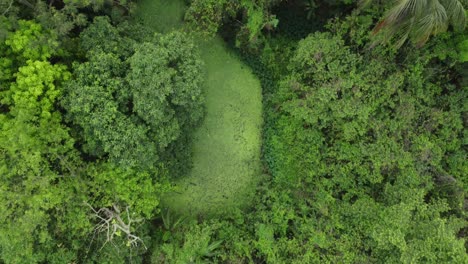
417,20
310,7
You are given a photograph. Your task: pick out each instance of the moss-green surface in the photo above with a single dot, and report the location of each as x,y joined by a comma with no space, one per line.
226,147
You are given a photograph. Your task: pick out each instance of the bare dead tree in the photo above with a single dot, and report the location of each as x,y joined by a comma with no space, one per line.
112,224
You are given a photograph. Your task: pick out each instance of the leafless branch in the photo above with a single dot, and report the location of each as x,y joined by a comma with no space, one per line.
8,8
66,164
112,224
26,3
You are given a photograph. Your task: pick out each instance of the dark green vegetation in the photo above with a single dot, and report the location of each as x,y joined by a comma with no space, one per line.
128,142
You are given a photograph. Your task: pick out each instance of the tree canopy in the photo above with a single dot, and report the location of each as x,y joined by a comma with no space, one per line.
363,140
132,100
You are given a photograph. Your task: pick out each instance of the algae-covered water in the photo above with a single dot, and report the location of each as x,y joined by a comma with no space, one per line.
226,147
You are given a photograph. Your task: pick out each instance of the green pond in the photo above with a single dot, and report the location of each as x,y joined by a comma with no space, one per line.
226,147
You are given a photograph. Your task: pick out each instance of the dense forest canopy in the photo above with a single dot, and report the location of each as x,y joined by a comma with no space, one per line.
110,111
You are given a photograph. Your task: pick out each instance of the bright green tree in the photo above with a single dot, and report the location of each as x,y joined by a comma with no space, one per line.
36,159
356,137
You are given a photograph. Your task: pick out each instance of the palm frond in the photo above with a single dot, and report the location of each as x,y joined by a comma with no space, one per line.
440,18
435,21
364,3
214,245
419,19
401,33
456,12
404,10
210,250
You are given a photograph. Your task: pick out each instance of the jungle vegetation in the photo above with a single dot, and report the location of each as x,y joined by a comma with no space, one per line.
233,131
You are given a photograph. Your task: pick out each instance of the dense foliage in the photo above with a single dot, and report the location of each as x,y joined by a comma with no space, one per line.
251,16
133,99
364,135
344,114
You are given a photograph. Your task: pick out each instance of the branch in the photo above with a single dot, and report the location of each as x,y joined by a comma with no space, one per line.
67,165
8,8
111,222
26,3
